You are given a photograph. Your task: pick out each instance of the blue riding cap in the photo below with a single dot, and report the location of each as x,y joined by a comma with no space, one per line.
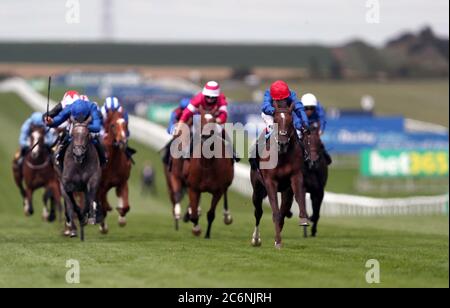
36,119
80,110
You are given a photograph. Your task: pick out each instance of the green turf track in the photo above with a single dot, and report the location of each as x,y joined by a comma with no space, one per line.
413,251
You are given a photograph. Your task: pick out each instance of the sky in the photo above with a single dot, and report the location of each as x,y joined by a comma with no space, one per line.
326,22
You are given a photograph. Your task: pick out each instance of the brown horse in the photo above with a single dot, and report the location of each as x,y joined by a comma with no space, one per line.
286,177
117,171
177,186
37,172
213,174
316,175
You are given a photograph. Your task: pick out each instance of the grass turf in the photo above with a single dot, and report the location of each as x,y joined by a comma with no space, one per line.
413,251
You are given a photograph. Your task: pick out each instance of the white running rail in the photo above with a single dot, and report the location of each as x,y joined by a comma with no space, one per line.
156,137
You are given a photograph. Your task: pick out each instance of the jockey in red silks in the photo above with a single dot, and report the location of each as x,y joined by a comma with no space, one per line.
211,96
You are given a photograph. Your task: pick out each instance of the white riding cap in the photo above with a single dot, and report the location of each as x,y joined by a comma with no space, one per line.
211,89
309,100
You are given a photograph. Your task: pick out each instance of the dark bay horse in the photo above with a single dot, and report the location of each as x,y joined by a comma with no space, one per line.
286,177
316,175
213,173
117,171
81,174
37,172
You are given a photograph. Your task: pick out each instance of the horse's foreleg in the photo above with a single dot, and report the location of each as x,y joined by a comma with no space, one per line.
28,202
298,187
286,205
227,218
103,207
258,197
70,205
124,205
194,200
272,190
212,212
317,198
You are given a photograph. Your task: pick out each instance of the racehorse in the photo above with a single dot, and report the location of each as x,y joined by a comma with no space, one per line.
213,175
177,186
316,175
36,172
286,177
81,174
117,171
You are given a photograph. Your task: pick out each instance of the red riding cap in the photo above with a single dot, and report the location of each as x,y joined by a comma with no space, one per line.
279,90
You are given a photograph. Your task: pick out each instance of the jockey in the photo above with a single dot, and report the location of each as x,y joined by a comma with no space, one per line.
211,96
79,110
69,98
35,120
113,104
278,92
176,115
316,117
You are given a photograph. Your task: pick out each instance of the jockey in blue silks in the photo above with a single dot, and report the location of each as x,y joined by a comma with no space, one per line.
112,104
175,117
35,120
176,114
79,111
317,117
279,91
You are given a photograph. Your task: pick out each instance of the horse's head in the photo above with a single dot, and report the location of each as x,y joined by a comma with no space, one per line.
313,146
80,139
37,136
286,131
208,117
116,127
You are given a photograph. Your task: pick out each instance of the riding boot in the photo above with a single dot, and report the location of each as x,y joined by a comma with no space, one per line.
61,152
129,152
236,157
166,154
326,155
101,152
254,153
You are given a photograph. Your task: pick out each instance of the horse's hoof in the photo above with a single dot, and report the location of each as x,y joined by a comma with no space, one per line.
73,234
51,217
228,219
186,218
289,215
122,221
27,212
66,233
256,242
104,229
304,222
91,221
197,231
177,224
278,245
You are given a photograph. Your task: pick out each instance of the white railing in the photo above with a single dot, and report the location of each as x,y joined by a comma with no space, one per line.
156,137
